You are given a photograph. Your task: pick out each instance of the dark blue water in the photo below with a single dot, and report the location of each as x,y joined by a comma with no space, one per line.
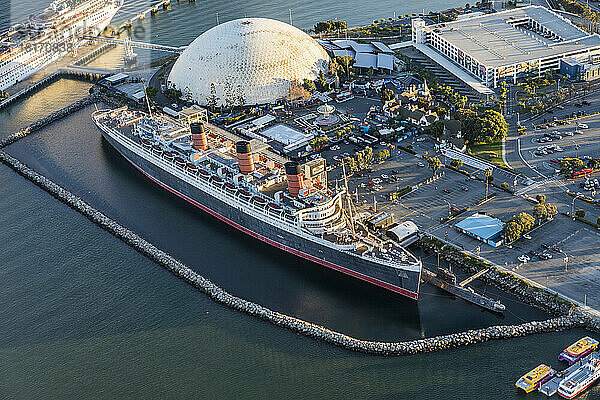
85,316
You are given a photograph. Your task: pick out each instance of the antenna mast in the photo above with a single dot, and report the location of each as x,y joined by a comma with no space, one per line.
146,95
349,201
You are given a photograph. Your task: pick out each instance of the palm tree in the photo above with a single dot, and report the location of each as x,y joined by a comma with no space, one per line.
488,174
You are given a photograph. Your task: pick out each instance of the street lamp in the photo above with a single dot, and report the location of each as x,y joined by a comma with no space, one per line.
447,202
573,206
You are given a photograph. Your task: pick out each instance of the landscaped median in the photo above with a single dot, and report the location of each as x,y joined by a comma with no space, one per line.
490,152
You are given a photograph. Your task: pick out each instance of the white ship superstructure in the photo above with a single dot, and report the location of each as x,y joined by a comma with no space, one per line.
580,379
47,37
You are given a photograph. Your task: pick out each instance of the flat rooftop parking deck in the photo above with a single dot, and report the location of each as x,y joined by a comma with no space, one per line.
506,38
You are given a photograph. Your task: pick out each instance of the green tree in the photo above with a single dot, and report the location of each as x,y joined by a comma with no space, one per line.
172,94
321,82
151,91
386,95
350,164
422,102
382,155
434,163
540,198
488,175
526,220
511,231
456,163
308,85
437,129
490,127
212,100
440,112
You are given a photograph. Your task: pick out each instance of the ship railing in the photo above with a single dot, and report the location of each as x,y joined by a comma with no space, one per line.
225,193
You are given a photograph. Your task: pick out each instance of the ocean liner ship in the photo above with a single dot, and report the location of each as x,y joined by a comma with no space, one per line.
44,38
246,185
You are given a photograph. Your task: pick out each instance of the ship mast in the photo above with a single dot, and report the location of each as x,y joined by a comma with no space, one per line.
349,201
146,95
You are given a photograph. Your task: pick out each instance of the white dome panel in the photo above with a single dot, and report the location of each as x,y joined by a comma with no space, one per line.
247,61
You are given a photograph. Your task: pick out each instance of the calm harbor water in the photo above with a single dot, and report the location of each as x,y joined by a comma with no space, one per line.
85,316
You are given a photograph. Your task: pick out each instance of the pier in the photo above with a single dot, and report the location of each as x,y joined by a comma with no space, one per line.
551,387
133,43
87,73
152,10
459,291
473,277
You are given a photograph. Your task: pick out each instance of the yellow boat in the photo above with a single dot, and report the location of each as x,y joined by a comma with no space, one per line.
534,378
580,348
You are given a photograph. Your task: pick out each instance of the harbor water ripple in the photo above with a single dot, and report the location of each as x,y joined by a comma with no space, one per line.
85,316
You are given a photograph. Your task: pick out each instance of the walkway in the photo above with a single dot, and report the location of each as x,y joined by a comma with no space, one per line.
454,69
133,43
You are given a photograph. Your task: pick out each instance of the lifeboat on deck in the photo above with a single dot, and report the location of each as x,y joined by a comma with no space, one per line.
180,162
217,181
169,156
156,149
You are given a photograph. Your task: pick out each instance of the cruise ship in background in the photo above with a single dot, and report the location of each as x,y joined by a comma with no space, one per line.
47,37
244,184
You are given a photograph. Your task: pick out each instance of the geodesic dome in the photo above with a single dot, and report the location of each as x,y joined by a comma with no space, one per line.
247,61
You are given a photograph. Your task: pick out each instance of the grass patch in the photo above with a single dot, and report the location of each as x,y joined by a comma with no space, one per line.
490,152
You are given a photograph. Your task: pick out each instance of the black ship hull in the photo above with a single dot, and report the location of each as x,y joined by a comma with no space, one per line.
404,282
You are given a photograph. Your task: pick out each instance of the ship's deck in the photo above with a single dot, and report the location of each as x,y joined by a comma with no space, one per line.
361,242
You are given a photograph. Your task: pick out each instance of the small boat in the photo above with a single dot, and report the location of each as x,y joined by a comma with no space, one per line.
579,349
536,377
580,379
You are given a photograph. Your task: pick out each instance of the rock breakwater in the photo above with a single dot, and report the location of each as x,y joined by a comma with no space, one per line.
225,298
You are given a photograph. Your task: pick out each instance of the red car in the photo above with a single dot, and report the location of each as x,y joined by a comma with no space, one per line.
454,209
446,191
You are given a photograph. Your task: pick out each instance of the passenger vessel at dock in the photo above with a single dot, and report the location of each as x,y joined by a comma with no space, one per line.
47,37
580,379
578,350
249,187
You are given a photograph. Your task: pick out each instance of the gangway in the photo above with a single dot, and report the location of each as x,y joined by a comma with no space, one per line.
472,278
133,43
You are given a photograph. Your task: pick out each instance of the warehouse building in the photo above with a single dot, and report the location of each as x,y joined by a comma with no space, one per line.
509,45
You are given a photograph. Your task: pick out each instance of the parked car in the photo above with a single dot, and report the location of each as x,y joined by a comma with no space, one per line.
446,190
524,258
582,126
585,103
526,236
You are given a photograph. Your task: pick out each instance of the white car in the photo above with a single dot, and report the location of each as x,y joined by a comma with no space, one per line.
376,180
582,126
384,176
578,132
526,236
524,258
335,147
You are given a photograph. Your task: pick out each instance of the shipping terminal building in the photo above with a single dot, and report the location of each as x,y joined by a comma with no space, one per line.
509,45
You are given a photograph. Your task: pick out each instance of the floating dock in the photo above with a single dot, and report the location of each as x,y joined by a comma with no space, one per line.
551,387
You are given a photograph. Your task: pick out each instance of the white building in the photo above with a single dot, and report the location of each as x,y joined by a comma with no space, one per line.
510,44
